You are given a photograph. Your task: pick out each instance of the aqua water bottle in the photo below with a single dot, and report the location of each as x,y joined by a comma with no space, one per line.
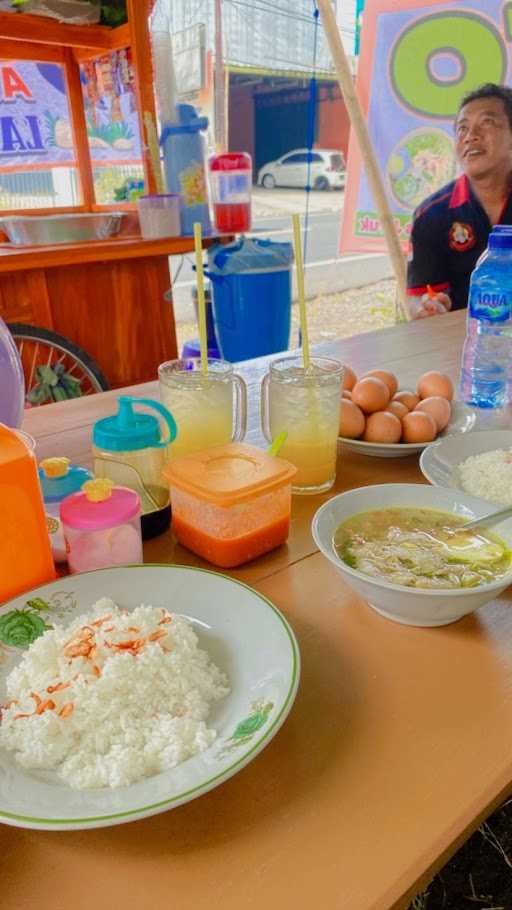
486,354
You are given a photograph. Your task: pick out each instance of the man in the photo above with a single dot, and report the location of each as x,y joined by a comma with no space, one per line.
451,228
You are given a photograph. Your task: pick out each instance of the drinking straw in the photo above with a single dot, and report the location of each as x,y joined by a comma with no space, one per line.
278,443
201,303
154,152
301,290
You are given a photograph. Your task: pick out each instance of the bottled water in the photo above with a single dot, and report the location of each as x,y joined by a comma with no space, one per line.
488,345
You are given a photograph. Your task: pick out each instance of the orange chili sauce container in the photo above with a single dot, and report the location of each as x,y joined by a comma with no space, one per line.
230,503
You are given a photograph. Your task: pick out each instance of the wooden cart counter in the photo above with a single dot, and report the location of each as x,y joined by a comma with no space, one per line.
105,296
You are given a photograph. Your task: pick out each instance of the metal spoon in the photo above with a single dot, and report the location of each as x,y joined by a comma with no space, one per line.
488,520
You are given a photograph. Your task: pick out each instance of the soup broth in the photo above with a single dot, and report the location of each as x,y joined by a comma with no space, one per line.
421,548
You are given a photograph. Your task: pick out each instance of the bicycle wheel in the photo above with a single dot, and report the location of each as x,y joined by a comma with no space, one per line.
55,369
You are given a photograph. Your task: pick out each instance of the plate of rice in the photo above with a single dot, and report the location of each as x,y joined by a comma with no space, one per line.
479,463
129,691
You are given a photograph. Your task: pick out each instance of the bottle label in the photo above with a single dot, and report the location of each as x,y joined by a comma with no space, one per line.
231,188
490,306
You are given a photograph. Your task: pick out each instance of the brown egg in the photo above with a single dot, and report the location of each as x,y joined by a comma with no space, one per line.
408,398
347,394
349,379
352,420
386,377
370,394
433,384
397,408
383,427
418,427
439,408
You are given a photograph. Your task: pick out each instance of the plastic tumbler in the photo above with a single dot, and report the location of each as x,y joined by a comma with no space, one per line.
304,403
210,408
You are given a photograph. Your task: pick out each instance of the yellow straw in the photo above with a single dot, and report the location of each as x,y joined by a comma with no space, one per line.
301,290
201,303
154,152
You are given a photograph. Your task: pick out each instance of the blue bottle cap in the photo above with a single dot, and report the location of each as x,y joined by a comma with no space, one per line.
59,479
500,240
128,430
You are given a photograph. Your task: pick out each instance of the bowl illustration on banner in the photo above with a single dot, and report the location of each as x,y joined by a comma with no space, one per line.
421,163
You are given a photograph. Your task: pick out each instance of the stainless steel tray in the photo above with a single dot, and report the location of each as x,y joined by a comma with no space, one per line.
45,230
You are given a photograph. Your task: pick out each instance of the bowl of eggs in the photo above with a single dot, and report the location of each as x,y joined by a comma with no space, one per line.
379,418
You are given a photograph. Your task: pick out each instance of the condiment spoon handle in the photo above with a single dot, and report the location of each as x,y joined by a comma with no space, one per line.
488,520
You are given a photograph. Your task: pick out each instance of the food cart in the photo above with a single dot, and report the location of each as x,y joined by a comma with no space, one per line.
105,296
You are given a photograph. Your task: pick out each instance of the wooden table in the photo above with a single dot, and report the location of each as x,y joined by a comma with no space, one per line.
399,743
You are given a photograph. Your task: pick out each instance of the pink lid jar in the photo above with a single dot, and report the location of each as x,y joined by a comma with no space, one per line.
102,527
231,188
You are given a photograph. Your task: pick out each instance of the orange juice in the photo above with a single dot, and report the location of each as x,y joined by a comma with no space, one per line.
25,552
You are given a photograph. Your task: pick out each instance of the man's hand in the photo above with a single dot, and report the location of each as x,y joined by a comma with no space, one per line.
427,305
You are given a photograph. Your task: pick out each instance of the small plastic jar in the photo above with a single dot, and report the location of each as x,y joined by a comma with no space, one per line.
102,527
231,503
59,479
231,188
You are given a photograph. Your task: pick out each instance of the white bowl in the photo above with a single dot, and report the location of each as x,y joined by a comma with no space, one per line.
440,462
410,606
462,421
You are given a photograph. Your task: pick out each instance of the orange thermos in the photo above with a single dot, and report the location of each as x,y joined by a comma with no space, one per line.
25,551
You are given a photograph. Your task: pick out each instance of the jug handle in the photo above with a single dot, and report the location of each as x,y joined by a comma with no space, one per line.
240,408
165,413
264,408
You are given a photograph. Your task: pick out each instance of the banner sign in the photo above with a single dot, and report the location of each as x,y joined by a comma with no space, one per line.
35,122
34,116
419,57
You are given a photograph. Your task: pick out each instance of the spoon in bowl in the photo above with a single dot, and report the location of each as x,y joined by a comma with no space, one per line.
488,521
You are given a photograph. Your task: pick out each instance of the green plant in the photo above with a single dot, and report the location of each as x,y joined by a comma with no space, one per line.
54,384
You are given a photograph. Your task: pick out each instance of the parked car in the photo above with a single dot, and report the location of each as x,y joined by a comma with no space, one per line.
327,170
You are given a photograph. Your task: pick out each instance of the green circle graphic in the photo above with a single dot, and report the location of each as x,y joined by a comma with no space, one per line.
472,38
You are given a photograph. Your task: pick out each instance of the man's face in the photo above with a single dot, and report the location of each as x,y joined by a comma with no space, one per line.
483,138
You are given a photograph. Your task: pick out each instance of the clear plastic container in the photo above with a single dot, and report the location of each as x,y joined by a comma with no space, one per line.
231,503
231,187
102,527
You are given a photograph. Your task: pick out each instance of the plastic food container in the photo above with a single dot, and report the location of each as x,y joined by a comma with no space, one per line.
159,216
59,479
231,185
231,503
102,527
49,229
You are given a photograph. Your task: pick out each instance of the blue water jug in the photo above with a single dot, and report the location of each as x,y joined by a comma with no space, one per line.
485,363
252,295
184,163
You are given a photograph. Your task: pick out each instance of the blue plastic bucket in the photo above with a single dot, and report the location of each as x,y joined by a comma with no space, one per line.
252,296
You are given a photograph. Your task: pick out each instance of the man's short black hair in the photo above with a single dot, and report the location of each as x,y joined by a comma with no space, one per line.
490,90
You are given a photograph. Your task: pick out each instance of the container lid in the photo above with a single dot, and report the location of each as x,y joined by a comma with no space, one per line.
232,161
59,478
128,430
249,254
229,474
500,241
99,506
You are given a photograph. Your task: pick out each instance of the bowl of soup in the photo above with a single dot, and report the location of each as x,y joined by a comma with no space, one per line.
404,549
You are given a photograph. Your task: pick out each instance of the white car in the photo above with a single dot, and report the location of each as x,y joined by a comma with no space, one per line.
327,170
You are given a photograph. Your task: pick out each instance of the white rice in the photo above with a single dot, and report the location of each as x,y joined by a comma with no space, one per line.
136,709
488,475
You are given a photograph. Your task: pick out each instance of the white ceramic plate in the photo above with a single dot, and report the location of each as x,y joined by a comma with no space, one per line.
245,635
440,461
462,420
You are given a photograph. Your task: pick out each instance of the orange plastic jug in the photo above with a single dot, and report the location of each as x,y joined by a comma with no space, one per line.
25,552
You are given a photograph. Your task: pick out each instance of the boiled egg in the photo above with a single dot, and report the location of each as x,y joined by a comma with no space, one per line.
352,420
383,427
418,426
397,408
386,377
433,383
370,394
439,408
349,379
409,399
